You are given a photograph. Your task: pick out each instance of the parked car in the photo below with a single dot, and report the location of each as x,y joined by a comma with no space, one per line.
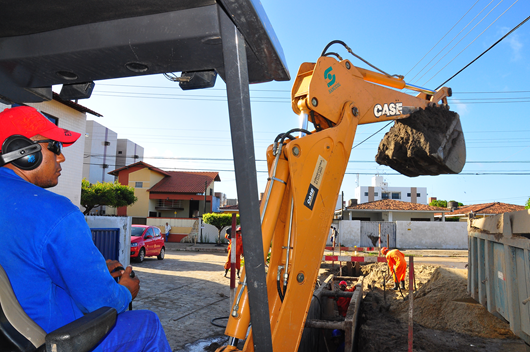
146,241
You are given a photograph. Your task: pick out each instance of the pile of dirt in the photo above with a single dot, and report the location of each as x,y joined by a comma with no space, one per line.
429,142
444,304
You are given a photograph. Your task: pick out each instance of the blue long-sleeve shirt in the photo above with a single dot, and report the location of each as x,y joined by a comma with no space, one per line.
56,271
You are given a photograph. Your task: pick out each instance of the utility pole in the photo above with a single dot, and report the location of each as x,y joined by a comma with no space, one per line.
205,189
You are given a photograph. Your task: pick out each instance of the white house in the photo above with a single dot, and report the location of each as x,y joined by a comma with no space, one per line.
379,190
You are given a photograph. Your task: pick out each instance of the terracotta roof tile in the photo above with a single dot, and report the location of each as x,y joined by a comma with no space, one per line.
229,207
185,182
486,208
392,204
139,163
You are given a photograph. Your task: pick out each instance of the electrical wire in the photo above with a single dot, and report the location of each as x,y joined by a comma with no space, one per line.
470,43
454,46
358,144
456,36
491,47
457,22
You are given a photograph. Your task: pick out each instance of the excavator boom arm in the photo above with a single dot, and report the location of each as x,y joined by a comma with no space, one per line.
305,176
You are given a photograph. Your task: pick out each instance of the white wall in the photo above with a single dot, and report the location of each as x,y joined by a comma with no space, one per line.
412,234
349,233
121,222
128,150
71,175
360,193
97,153
431,235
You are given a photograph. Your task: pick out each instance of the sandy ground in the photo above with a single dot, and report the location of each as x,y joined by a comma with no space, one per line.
445,317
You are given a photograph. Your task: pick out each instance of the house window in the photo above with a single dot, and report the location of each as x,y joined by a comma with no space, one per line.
385,195
170,203
376,194
420,219
366,194
418,194
119,152
53,119
396,195
408,195
138,184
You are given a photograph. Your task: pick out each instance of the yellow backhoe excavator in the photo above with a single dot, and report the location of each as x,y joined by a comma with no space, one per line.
306,173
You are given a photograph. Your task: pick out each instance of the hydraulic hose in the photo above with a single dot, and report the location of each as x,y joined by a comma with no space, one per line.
219,318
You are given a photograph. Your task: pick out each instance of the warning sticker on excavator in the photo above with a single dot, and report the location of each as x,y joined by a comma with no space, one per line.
316,180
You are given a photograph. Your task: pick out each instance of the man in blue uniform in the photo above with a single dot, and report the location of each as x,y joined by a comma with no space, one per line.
56,272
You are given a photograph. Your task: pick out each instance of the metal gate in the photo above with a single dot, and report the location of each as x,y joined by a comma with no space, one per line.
370,233
107,241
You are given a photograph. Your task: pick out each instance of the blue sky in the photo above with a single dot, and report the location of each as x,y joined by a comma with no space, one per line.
427,42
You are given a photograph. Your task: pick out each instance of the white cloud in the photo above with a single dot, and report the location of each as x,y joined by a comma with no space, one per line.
459,107
515,43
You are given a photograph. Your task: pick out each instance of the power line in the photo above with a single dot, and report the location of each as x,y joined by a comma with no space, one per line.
491,47
454,46
424,67
288,91
470,43
264,160
381,172
457,22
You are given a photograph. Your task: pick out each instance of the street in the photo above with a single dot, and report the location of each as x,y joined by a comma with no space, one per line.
186,290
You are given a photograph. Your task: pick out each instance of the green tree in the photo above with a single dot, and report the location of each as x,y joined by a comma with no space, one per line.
112,194
443,203
527,205
219,221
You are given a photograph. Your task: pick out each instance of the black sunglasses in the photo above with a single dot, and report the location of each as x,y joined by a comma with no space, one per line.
53,146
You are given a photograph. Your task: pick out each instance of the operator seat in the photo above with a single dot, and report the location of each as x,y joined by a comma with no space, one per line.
18,333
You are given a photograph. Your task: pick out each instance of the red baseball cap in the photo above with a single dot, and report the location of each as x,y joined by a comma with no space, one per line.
28,122
343,283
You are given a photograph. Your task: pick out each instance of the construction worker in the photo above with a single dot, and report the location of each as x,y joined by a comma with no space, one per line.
239,250
344,302
397,264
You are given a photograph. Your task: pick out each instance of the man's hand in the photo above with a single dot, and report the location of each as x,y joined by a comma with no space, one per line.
132,283
112,265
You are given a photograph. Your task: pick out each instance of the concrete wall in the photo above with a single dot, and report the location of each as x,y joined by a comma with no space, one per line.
349,233
126,152
412,234
432,235
97,153
124,224
362,193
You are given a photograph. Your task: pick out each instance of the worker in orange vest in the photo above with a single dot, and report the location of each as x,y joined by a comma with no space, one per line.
239,250
397,264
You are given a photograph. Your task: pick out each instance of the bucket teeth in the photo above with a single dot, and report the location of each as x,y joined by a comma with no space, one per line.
429,142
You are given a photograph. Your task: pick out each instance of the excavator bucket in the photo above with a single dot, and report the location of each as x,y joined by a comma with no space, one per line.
428,142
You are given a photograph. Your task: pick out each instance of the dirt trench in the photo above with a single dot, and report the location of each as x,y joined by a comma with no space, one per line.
445,317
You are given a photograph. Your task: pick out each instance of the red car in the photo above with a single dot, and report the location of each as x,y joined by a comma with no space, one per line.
146,241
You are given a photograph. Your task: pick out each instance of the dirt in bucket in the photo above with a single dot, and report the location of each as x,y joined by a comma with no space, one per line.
429,142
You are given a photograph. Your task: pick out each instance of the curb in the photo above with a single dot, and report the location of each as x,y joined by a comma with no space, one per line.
193,249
